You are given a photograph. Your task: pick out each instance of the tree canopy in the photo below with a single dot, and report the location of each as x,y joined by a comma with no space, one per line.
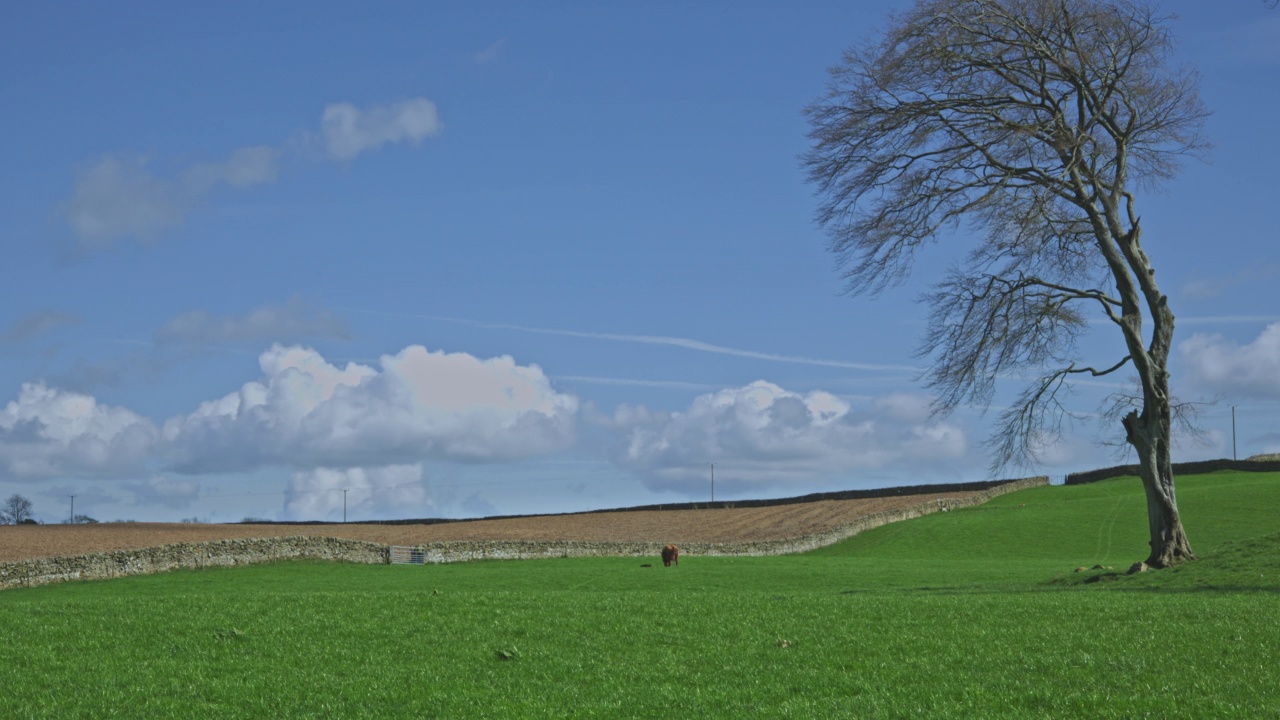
15,510
1032,125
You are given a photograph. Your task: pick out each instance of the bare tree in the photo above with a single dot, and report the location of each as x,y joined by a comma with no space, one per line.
1031,124
15,510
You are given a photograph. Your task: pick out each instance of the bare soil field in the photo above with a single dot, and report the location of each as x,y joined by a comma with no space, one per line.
777,522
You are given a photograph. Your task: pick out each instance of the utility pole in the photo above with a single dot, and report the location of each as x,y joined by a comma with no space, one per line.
1233,433
713,482
344,506
73,509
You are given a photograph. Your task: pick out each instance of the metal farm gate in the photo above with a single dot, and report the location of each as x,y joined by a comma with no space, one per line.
408,555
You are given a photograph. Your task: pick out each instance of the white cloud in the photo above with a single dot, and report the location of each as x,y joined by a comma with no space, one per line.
1223,366
418,405
48,432
119,198
762,434
392,490
349,131
292,322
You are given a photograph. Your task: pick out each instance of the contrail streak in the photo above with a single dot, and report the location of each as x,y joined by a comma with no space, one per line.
686,343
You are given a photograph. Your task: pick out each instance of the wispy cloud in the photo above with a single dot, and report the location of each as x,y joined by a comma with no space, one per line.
670,341
348,130
34,325
120,196
491,54
1206,288
1183,321
1254,43
162,491
293,321
634,382
1228,320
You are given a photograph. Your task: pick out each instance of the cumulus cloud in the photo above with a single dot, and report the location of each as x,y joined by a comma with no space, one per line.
348,130
164,492
118,197
293,321
395,490
48,432
767,435
1224,366
418,405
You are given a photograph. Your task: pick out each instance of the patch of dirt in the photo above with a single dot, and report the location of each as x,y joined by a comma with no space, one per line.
776,522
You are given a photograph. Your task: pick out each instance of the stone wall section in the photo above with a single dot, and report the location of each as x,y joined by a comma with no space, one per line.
464,551
1188,468
119,563
242,552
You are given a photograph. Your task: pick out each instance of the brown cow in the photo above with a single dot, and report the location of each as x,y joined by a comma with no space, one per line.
670,554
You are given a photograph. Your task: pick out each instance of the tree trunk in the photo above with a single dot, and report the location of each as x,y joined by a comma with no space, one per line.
1149,433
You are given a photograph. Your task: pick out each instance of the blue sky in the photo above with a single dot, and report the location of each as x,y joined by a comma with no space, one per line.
465,259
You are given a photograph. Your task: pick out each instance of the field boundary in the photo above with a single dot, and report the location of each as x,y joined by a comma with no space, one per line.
119,563
466,550
896,491
1202,467
215,553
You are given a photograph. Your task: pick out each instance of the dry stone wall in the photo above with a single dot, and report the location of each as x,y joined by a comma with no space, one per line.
120,563
1188,468
465,551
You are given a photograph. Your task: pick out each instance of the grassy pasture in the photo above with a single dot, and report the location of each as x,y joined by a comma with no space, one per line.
974,613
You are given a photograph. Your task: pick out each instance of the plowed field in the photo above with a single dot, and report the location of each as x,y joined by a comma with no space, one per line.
775,522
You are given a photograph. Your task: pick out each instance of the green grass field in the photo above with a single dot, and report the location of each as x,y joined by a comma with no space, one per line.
974,613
